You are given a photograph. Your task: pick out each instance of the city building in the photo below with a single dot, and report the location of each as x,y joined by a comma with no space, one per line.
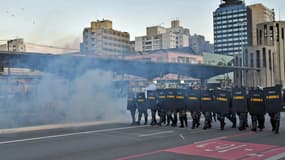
102,39
158,37
132,47
20,46
169,56
15,45
268,56
176,55
200,45
259,14
231,29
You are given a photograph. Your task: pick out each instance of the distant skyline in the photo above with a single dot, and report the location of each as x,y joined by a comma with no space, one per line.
61,22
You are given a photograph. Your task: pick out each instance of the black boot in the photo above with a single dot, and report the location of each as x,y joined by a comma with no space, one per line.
277,125
223,125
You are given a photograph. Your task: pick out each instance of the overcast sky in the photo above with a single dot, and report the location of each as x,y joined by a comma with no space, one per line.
60,22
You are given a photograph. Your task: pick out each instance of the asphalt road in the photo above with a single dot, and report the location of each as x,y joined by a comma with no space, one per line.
120,141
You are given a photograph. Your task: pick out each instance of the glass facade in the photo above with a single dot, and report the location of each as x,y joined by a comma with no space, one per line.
231,29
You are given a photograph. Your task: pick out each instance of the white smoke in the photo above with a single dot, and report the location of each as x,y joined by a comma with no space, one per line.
89,97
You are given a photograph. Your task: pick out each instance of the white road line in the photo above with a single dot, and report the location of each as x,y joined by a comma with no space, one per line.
156,133
67,135
276,157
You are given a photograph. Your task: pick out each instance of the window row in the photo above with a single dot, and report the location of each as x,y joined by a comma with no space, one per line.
234,20
229,16
238,39
241,30
242,10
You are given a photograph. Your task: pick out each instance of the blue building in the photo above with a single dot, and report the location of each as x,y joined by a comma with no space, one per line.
232,27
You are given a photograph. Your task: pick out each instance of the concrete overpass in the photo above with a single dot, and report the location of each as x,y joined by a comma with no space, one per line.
74,65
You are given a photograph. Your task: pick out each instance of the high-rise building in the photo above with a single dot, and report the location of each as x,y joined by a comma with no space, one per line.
231,29
102,39
268,56
259,14
158,37
200,45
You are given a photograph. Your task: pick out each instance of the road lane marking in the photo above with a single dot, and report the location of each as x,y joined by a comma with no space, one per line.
276,157
68,134
156,133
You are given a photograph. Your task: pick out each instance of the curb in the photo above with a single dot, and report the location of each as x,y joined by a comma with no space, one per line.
55,126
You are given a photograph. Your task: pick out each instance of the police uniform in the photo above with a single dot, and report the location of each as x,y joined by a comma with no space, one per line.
257,109
208,120
162,115
183,117
142,108
152,104
275,121
222,104
132,107
239,106
195,119
274,105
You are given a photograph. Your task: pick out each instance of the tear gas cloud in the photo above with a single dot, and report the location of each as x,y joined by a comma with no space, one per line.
91,96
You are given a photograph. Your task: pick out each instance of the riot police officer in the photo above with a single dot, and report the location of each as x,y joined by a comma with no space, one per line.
152,104
275,121
239,106
195,119
131,106
256,109
193,104
161,114
208,120
161,104
183,117
274,105
207,106
142,108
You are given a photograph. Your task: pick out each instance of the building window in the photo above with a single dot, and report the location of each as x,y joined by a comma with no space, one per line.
246,58
257,58
270,59
264,56
271,33
260,37
282,33
278,32
251,60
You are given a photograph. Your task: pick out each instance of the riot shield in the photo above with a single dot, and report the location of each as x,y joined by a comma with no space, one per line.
141,101
256,103
161,98
222,101
180,99
131,104
239,100
207,101
170,98
151,99
273,99
193,100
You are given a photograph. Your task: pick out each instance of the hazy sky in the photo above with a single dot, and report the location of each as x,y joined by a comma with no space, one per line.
60,22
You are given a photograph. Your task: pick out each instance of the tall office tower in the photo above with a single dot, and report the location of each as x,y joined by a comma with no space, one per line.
231,27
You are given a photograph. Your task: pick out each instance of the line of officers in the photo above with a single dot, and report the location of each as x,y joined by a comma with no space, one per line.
215,105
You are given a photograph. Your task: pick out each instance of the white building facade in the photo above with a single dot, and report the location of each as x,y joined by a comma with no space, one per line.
159,37
102,39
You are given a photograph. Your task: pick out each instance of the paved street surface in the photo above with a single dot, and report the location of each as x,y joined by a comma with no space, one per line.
121,141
